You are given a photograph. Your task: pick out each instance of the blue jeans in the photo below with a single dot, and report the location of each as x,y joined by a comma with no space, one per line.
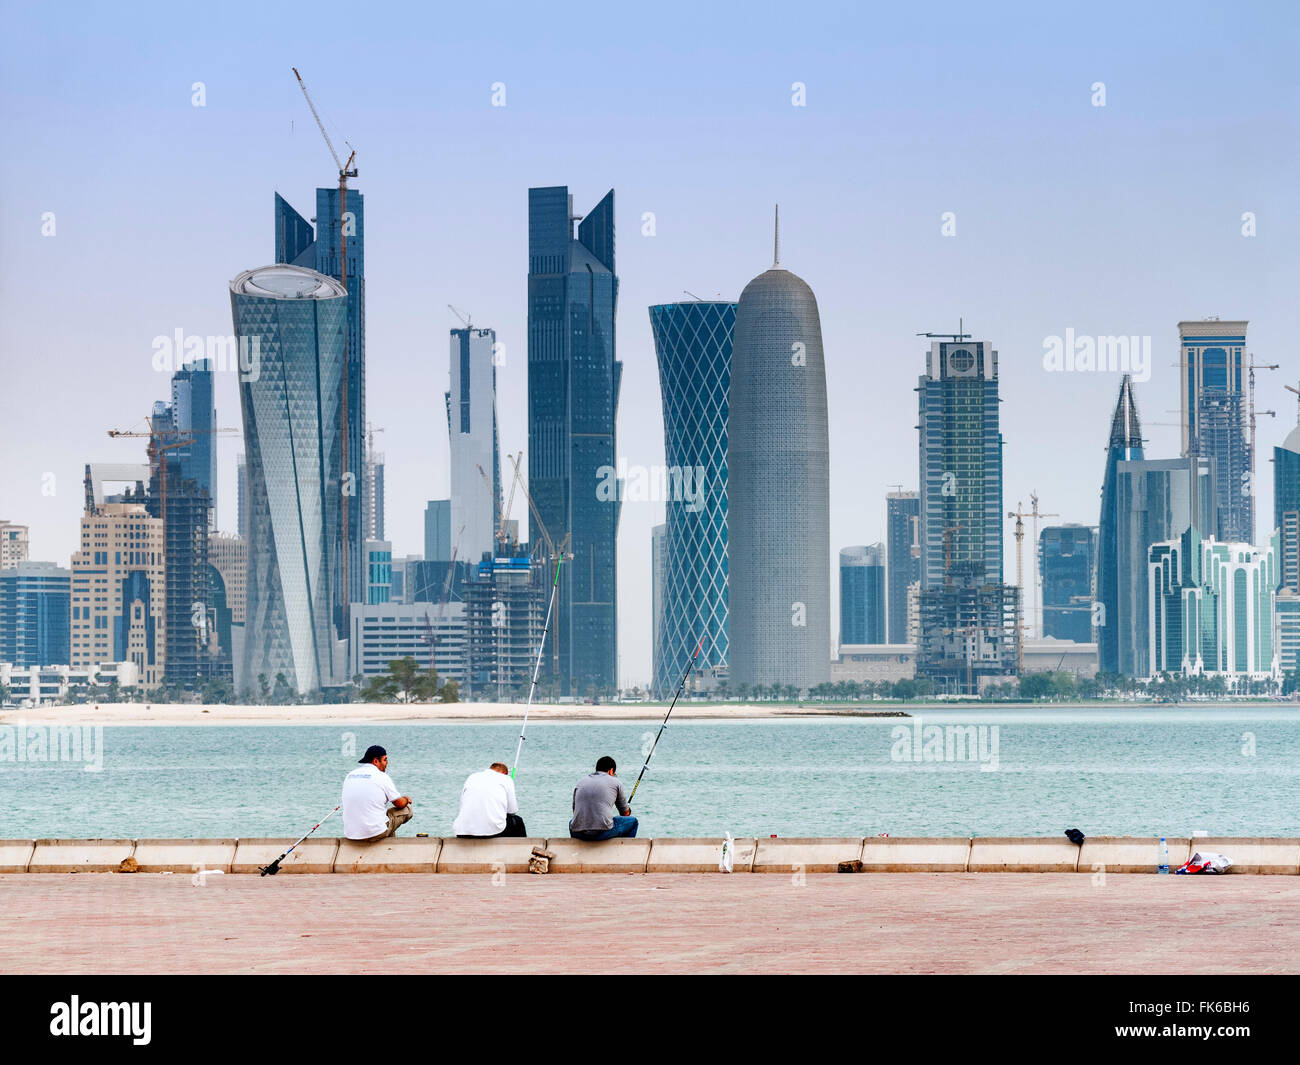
623,827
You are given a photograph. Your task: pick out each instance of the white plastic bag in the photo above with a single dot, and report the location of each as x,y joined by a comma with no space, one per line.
728,854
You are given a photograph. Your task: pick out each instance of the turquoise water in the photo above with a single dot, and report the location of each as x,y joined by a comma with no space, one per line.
1120,772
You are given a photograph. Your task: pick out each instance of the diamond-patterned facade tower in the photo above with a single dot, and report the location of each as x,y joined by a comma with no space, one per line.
292,421
693,345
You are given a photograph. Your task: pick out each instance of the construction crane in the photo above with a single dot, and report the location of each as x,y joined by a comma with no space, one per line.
155,449
1252,367
1020,515
1038,619
959,335
1289,388
346,170
465,318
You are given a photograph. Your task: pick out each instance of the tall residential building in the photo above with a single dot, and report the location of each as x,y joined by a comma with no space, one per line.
13,543
319,249
119,591
573,389
902,559
192,412
1287,608
437,531
375,476
379,572
968,632
1286,508
1155,500
778,487
241,499
658,579
228,576
472,425
505,610
1125,445
961,465
862,595
185,511
693,344
1215,421
292,444
1212,609
1067,555
35,609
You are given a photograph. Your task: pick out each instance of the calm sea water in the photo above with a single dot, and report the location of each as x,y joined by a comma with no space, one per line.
1149,771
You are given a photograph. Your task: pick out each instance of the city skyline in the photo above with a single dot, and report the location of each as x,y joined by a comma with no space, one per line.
1028,294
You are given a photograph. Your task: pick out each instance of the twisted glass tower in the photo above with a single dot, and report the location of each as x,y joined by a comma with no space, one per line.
778,486
291,410
693,346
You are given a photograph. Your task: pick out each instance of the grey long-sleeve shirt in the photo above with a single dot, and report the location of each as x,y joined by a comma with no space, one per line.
595,799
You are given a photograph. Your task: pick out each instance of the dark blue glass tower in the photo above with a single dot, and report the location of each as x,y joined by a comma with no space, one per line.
1125,445
1066,554
35,612
318,249
862,595
573,386
693,345
903,558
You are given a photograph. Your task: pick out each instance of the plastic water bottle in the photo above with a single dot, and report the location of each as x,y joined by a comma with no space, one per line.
1163,867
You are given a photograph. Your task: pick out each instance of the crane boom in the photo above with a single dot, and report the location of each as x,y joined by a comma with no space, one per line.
319,124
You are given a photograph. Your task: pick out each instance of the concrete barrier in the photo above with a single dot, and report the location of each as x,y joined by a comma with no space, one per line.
915,854
1130,854
698,855
397,854
311,856
487,855
16,855
608,856
184,855
79,855
1022,854
1254,854
810,854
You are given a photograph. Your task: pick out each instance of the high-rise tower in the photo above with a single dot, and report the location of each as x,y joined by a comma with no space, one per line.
778,487
902,558
472,425
693,342
573,388
293,452
1125,445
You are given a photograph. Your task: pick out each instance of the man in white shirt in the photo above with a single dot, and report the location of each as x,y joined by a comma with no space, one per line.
488,807
367,791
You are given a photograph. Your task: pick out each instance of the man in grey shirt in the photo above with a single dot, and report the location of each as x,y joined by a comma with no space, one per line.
600,809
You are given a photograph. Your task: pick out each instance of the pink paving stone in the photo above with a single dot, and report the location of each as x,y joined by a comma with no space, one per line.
659,923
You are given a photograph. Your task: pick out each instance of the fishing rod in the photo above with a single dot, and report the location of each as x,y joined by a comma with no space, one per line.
274,867
537,666
664,724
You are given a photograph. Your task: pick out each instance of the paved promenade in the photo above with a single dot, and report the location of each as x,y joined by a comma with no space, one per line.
659,923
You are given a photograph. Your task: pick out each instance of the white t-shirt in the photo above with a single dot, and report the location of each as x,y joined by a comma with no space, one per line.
367,791
484,802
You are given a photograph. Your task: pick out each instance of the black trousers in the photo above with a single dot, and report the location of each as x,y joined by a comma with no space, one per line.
514,828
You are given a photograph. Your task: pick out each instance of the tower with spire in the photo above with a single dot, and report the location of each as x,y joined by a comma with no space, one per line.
1125,445
778,484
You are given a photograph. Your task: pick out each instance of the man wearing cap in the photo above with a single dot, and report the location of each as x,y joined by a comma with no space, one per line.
367,791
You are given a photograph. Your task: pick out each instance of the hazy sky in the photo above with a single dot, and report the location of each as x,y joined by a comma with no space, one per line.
1112,220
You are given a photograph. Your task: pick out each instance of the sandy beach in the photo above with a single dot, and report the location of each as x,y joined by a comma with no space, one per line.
414,713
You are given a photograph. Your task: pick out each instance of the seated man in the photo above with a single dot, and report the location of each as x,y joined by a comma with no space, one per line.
488,807
595,800
367,792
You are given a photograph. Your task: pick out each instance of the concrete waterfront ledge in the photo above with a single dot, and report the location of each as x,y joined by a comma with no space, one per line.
1136,854
700,855
915,854
184,855
420,854
1022,854
810,854
310,856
